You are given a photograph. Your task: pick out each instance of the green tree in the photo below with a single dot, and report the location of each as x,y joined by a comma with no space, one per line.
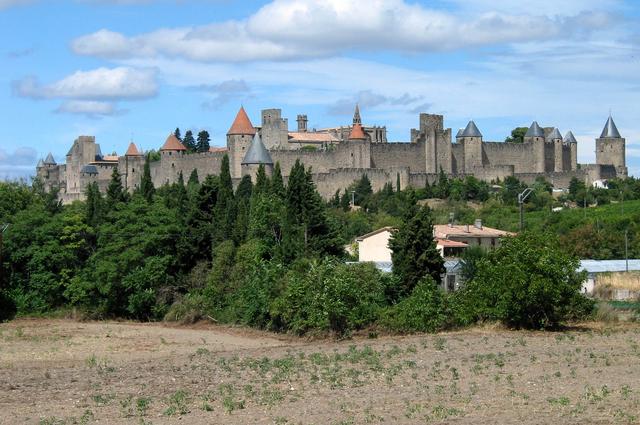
93,205
177,134
413,250
115,190
528,282
277,184
146,184
262,181
203,141
189,142
517,135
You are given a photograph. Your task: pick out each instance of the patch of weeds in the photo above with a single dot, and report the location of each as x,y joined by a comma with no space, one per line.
625,391
102,399
280,420
441,412
91,361
412,410
440,343
126,407
626,417
87,417
560,401
142,405
177,403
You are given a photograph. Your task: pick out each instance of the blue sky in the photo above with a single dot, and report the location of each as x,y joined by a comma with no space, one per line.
136,69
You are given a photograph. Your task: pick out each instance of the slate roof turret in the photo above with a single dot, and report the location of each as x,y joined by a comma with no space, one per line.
40,164
534,130
555,134
569,138
89,169
610,131
49,160
257,153
471,130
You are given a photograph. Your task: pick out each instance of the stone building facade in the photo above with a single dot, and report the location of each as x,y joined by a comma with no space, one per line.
340,155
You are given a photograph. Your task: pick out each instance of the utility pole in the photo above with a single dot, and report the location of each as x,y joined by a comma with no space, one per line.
3,228
626,249
521,198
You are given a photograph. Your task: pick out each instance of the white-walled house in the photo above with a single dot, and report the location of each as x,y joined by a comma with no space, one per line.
374,246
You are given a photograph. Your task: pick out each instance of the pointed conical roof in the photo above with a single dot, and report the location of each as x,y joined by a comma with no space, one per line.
172,144
610,131
555,134
40,164
49,160
569,138
357,133
99,156
356,115
459,133
534,130
132,150
471,130
257,153
242,124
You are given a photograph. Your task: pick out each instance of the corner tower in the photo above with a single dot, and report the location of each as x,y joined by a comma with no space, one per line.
239,139
569,139
535,136
556,138
610,148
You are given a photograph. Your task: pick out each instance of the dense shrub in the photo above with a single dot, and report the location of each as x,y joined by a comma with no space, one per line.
329,295
528,282
425,310
7,308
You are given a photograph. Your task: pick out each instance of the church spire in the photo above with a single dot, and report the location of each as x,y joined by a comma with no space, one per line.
356,116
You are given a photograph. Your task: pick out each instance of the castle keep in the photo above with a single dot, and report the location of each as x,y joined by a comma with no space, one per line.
340,155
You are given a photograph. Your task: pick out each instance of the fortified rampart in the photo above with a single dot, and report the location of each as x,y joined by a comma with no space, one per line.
340,155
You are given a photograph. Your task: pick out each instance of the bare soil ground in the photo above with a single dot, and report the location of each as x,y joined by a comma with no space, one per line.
65,372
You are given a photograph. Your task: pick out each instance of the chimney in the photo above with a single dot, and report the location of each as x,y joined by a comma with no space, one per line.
478,224
451,218
302,123
466,228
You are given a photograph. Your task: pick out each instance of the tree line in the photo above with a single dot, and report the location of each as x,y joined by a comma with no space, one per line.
264,254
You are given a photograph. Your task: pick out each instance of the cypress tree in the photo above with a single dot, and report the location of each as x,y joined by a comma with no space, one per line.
93,205
115,190
193,178
244,189
181,193
177,134
189,142
414,253
146,184
262,181
277,183
203,141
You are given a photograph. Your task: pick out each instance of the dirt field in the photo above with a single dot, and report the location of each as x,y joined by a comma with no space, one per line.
60,372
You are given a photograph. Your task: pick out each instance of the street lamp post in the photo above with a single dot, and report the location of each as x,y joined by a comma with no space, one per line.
521,198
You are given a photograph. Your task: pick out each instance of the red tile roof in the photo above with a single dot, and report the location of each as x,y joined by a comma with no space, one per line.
450,244
444,231
172,144
132,150
357,133
217,149
242,124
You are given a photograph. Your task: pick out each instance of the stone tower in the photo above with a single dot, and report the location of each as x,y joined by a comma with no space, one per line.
610,147
569,139
359,146
535,136
556,138
256,155
471,139
302,123
133,165
239,139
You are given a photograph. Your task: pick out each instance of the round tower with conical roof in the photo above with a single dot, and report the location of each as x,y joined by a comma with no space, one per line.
535,136
239,138
610,147
570,140
471,139
556,138
256,155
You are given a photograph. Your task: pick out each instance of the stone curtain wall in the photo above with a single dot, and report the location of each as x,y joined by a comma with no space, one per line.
519,155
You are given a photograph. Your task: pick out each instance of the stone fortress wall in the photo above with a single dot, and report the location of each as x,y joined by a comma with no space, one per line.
338,156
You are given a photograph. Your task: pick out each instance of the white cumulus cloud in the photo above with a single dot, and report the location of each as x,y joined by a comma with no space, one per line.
101,83
295,29
90,108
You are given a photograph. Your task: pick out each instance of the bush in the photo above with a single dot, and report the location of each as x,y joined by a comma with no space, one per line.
329,295
7,308
190,309
425,310
528,282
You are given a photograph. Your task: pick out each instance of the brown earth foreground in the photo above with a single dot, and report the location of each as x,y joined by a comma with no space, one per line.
66,372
